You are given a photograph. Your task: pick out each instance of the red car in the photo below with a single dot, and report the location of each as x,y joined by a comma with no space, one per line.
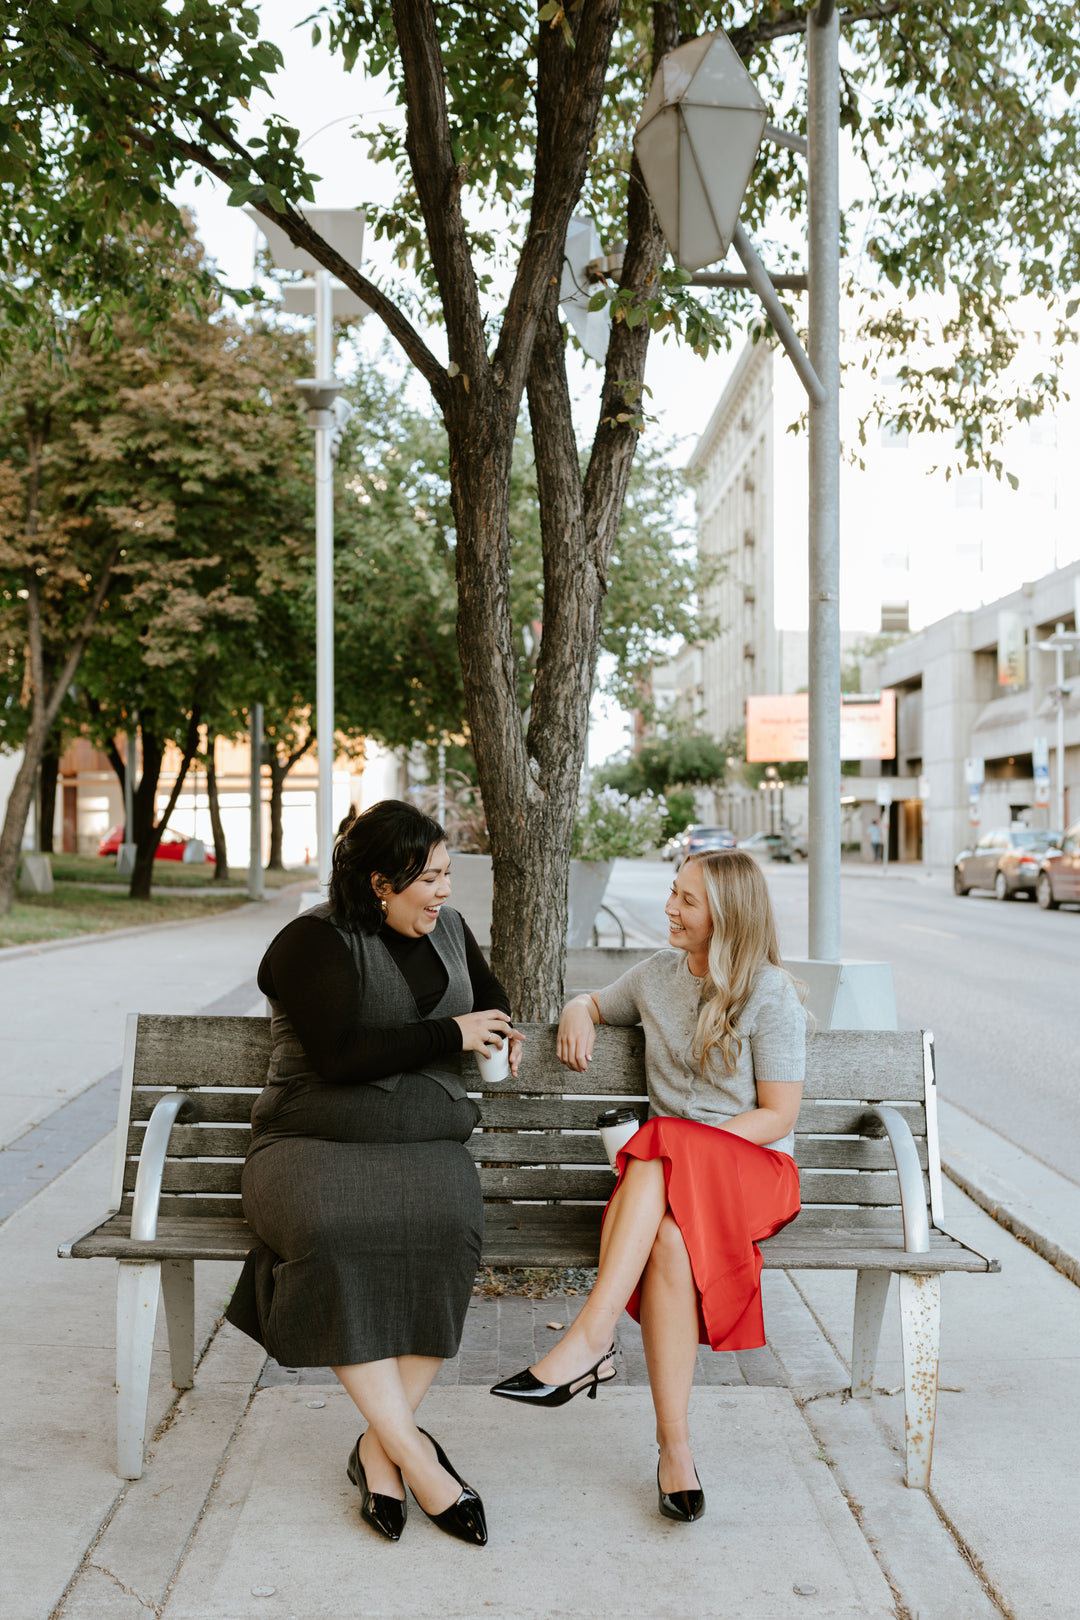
171,847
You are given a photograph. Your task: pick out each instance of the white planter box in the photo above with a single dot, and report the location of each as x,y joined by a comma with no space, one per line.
473,892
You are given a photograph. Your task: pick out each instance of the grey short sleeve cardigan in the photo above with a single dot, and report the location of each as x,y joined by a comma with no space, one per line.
664,997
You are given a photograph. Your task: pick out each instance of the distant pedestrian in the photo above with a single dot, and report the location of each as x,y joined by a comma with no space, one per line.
876,843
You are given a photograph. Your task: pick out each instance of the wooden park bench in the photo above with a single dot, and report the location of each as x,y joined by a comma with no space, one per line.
866,1144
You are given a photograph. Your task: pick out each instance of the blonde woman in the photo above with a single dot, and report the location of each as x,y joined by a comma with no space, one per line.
710,1174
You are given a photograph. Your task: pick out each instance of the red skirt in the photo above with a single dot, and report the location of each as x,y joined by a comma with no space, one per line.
726,1195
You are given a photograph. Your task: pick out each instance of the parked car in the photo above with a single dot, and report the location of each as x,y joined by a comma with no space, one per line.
675,847
699,839
1006,860
776,846
171,847
1058,877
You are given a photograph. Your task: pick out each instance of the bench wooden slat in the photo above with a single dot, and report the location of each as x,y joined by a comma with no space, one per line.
213,1052
215,1107
526,1113
206,1207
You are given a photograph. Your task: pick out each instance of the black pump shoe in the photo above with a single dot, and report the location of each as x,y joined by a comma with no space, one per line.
463,1518
385,1514
685,1506
525,1386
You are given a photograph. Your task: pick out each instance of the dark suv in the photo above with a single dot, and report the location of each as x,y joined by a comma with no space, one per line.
1006,860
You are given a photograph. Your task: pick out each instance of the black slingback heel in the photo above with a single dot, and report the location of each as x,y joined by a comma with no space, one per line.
525,1386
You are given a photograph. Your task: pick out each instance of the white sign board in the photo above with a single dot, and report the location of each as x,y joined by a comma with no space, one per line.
974,772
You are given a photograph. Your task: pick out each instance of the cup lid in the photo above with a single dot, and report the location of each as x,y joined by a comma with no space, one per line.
617,1116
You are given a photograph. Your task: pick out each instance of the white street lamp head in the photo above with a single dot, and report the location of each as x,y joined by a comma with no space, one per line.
342,228
696,141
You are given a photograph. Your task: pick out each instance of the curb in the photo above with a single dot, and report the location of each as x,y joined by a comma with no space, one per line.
11,953
1004,1205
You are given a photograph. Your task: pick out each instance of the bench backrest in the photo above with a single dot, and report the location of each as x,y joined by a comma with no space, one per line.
539,1140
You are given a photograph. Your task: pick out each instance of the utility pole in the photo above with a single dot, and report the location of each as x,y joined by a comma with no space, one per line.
823,69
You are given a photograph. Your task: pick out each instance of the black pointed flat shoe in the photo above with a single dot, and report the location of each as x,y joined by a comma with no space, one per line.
685,1506
525,1386
463,1518
386,1514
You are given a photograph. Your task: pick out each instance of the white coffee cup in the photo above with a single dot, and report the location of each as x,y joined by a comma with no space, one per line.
494,1066
616,1127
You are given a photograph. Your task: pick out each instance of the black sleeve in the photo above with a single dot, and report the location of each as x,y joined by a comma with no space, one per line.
308,969
487,991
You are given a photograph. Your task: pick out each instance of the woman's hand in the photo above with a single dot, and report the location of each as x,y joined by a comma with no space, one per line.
577,1033
484,1032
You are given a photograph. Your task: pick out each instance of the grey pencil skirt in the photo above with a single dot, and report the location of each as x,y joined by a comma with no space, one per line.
368,1247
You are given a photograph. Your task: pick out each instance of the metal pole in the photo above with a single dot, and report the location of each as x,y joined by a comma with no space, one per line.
758,278
324,582
255,866
823,68
1059,672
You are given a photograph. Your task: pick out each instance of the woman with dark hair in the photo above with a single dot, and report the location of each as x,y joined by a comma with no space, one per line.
357,1181
710,1173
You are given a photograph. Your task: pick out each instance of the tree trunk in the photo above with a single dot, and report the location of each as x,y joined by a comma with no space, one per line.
221,868
20,799
147,834
279,770
50,772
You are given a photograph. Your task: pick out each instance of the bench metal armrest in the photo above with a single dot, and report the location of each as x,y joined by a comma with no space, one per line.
144,1209
910,1176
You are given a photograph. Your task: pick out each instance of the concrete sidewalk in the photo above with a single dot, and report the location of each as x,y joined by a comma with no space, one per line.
245,1511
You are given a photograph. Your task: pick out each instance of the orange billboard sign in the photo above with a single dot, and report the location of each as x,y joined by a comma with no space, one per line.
778,728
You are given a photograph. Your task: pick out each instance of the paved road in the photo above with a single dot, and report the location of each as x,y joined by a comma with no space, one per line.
996,983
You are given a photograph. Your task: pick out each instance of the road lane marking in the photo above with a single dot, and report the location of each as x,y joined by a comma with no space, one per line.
919,928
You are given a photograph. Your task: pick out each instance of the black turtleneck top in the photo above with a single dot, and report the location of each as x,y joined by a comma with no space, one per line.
310,970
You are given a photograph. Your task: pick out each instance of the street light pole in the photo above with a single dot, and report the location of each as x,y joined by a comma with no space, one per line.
1061,642
343,228
324,579
823,70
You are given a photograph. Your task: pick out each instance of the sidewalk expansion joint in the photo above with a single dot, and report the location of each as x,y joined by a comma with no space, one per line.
219,1474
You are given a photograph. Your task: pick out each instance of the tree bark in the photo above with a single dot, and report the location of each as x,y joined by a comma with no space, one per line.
221,867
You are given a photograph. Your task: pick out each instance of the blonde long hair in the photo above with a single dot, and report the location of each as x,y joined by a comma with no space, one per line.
743,939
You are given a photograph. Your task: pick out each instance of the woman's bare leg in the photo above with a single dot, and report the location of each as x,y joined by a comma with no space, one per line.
417,1373
630,1229
387,1394
669,1332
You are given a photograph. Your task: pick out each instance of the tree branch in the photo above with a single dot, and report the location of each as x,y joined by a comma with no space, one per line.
576,87
438,179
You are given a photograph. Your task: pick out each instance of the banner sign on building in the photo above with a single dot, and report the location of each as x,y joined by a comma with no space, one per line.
1040,769
1011,651
974,772
778,728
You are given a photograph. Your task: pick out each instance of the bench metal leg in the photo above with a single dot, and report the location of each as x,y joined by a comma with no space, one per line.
178,1288
871,1292
137,1289
920,1326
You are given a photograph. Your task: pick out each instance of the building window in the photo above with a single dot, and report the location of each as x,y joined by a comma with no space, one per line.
969,490
893,437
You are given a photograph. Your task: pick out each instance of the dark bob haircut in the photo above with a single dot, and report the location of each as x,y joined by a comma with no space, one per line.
392,839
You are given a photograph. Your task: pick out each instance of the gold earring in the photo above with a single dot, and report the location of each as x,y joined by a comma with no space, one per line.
385,908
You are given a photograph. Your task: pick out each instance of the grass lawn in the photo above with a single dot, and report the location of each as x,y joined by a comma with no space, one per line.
167,874
74,908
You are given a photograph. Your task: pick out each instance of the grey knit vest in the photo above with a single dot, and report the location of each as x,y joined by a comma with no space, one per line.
384,1001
